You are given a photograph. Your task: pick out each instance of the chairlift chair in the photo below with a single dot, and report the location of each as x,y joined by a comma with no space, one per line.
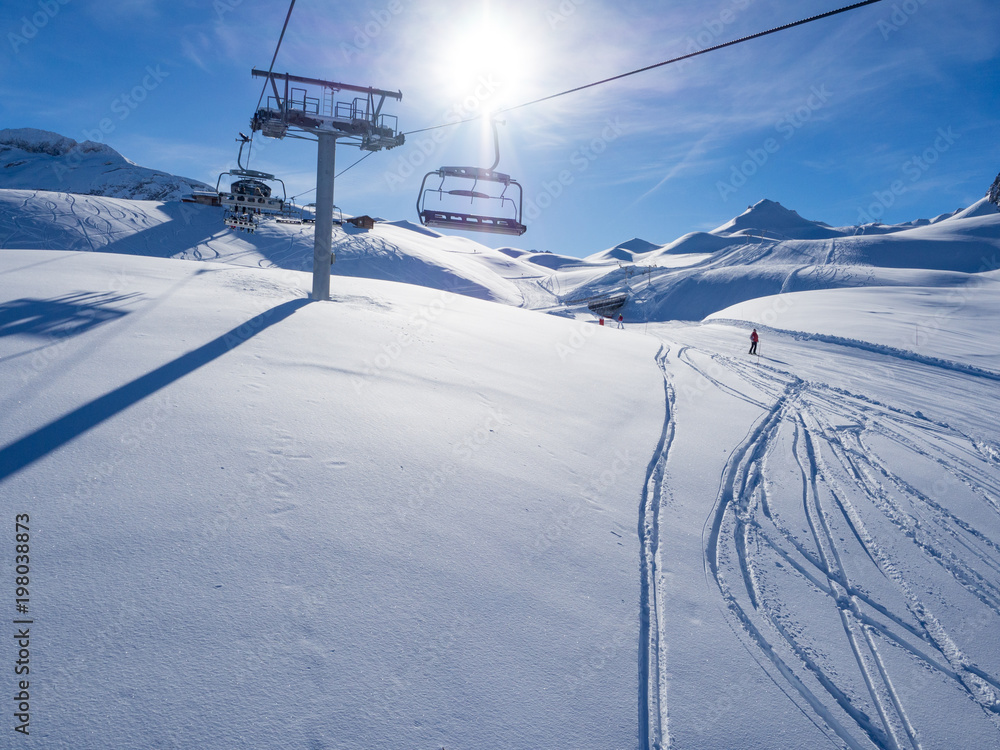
451,214
249,195
290,213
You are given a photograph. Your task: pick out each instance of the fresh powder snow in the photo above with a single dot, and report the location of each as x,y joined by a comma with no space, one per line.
424,514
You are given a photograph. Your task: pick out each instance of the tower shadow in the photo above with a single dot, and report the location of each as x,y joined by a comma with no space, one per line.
27,450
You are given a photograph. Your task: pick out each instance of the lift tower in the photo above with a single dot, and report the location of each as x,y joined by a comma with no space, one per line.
312,109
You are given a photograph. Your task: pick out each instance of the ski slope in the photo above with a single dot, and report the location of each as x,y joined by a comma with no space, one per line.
400,518
687,279
425,515
393,251
829,523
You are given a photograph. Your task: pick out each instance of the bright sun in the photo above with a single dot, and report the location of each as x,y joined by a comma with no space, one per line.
486,58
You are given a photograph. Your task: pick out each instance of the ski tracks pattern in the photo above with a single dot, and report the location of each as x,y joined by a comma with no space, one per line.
826,554
653,728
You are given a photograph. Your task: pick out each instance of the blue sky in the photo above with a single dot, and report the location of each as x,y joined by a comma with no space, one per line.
890,112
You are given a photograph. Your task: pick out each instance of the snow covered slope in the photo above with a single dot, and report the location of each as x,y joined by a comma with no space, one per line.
407,518
395,251
629,251
33,159
688,279
906,321
712,272
403,518
771,219
829,532
410,518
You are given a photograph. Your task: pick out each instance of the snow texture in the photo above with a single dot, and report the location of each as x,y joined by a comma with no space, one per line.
415,518
41,160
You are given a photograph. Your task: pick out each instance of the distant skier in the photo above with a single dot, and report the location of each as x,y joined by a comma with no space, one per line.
754,338
621,321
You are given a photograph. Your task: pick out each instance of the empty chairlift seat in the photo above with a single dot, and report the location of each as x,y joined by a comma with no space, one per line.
472,199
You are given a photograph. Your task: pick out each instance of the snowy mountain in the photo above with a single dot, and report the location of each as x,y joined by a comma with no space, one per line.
411,518
688,279
630,251
41,160
772,220
752,257
394,251
994,193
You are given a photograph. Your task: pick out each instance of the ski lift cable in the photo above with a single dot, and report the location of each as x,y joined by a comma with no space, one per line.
337,176
647,68
594,84
354,164
275,57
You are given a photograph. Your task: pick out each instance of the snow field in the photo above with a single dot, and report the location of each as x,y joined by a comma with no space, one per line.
266,535
852,545
413,517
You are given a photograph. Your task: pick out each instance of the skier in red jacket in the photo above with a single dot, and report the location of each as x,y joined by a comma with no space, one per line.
754,338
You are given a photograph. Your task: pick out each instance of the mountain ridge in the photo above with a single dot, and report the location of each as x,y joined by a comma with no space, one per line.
32,159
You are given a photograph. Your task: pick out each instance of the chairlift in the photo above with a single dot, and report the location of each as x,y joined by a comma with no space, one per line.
290,213
249,196
448,213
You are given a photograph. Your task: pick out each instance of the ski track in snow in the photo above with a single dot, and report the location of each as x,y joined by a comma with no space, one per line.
653,728
855,519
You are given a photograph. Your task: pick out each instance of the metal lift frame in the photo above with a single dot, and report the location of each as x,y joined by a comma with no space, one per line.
473,222
242,210
360,123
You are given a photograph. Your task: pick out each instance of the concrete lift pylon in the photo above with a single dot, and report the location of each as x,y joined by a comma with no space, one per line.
291,111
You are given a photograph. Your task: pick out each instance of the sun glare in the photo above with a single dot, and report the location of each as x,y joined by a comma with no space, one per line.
486,58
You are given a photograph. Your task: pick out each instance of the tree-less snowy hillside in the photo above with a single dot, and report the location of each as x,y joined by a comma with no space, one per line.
412,518
32,159
694,276
402,518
